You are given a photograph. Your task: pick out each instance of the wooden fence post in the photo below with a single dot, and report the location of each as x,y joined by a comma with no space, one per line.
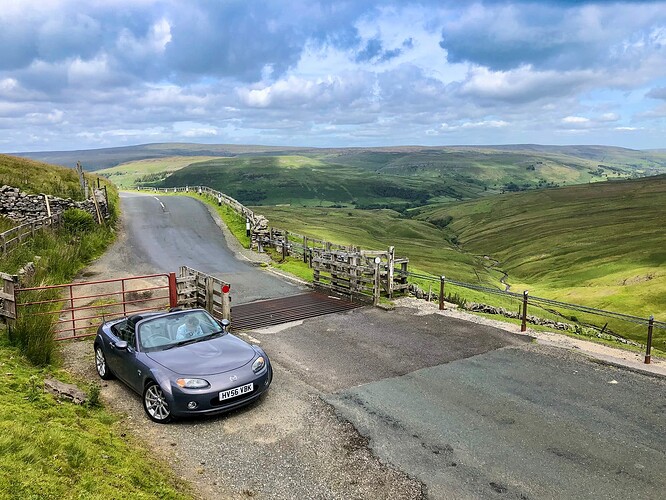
226,302
305,248
390,272
173,291
209,294
377,288
442,279
648,348
523,324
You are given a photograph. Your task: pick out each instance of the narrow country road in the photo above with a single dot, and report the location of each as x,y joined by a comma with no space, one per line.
166,232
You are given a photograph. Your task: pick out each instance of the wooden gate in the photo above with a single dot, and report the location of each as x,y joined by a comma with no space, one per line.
359,274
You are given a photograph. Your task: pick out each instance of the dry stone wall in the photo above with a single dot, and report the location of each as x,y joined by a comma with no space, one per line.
22,207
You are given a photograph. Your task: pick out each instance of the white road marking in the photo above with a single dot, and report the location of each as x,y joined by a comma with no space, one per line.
161,204
250,338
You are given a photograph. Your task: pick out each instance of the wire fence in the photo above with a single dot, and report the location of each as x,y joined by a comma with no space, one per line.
575,318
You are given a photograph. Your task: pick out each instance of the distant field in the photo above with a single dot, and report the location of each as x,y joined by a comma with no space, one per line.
147,171
305,181
422,242
601,244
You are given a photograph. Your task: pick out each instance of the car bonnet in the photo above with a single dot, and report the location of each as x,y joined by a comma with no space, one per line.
206,357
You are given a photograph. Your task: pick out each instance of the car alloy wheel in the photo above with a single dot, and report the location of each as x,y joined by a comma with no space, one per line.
155,404
100,363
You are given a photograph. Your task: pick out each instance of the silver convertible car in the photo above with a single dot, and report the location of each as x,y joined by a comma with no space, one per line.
182,363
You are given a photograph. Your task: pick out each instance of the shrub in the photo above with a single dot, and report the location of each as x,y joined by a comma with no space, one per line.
77,220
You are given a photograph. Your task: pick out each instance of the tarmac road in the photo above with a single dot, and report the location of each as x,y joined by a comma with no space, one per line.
476,412
166,232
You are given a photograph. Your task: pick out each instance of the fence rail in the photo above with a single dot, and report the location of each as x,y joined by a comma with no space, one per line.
20,234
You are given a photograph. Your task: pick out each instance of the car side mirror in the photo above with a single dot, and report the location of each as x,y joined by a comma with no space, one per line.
121,345
224,324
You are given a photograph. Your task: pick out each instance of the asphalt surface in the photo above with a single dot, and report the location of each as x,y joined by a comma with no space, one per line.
476,412
450,408
166,232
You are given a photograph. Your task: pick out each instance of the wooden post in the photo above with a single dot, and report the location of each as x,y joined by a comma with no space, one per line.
8,296
648,348
390,272
376,289
523,324
305,248
442,279
226,301
48,205
209,294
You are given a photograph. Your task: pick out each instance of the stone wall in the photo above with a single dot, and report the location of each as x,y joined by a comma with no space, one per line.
22,207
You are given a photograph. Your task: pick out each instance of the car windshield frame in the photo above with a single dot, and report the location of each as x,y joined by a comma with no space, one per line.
171,330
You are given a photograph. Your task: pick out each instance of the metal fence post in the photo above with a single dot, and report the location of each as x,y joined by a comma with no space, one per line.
441,292
523,325
173,291
649,340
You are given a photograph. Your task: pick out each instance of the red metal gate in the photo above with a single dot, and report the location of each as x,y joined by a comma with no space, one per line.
78,308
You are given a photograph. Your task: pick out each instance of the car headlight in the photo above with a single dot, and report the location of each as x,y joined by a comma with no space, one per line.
192,383
258,364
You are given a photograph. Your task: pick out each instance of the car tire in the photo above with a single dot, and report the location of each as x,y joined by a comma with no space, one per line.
100,363
155,404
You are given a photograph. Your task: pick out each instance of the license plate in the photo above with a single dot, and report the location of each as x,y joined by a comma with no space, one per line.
236,391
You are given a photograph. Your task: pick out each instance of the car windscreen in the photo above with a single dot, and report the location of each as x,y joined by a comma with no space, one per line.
171,330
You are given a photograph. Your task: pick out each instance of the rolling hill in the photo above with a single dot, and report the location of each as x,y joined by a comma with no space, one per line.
600,244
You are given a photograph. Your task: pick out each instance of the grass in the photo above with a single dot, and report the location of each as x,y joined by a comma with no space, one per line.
57,450
35,177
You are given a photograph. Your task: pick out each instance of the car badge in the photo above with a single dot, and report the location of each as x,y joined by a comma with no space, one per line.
233,378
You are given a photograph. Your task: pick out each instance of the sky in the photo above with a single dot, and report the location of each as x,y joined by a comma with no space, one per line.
104,73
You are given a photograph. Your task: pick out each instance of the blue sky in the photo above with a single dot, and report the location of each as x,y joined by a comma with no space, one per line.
101,73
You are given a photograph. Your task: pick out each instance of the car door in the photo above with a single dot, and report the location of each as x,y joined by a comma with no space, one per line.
124,360
118,333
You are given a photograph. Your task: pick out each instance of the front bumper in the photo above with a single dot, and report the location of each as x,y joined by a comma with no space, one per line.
208,402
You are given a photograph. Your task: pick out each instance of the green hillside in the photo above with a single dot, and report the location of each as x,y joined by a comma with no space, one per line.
305,181
37,177
405,177
600,244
